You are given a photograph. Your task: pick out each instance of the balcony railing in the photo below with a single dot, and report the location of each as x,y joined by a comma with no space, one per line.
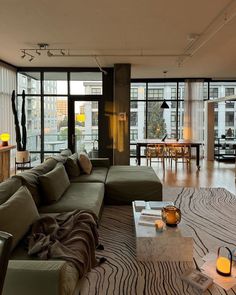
57,142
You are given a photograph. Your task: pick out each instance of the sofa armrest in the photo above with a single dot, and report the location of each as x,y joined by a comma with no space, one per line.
37,277
100,162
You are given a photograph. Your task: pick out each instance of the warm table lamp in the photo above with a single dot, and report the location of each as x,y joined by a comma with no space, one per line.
224,264
5,137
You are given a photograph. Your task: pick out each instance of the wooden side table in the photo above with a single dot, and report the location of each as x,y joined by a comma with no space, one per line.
5,161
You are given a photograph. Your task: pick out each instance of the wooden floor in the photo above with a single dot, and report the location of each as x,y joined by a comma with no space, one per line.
211,174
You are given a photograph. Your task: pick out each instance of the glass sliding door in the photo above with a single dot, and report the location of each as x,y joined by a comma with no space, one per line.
85,135
55,124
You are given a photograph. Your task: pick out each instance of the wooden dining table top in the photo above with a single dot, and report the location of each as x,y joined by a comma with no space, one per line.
167,141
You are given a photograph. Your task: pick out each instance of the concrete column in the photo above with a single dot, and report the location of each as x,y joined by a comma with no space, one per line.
209,139
121,130
105,121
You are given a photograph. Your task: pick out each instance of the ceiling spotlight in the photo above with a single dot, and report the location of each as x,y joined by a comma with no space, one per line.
49,53
23,56
39,53
62,52
31,58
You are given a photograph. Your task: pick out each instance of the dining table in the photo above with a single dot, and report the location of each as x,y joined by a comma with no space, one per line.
168,143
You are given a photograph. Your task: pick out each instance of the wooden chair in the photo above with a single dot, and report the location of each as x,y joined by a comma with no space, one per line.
180,153
5,249
155,151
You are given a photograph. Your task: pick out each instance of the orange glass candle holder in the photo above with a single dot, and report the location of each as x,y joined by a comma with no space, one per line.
171,215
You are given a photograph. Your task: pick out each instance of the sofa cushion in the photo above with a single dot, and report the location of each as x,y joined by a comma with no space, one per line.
84,196
125,184
98,174
17,214
66,153
8,188
45,167
71,165
54,183
85,163
31,181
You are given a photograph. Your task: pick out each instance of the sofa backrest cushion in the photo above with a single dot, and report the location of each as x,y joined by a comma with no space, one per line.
46,166
30,178
8,188
53,184
17,214
85,163
66,153
71,165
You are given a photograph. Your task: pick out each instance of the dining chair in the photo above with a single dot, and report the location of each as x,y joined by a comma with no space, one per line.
5,249
180,153
155,151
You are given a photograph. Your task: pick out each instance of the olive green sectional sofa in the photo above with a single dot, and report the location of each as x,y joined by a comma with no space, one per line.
115,185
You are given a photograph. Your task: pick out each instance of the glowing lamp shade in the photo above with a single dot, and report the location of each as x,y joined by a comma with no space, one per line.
5,137
224,264
80,118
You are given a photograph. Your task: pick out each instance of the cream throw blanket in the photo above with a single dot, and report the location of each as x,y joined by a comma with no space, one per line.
69,236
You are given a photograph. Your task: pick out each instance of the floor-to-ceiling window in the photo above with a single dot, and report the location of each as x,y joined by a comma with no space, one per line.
147,118
225,119
225,112
47,114
7,85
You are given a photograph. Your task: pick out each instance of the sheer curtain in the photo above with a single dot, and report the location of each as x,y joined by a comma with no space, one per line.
7,84
193,110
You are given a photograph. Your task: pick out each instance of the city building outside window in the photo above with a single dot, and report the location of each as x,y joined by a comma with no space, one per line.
214,92
133,135
96,90
229,119
133,104
133,118
94,118
173,93
133,93
94,104
229,91
156,93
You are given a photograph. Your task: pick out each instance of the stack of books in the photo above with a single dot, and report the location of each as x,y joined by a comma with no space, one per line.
149,216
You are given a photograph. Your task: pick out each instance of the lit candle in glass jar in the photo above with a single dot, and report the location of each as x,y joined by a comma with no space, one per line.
224,263
159,224
171,215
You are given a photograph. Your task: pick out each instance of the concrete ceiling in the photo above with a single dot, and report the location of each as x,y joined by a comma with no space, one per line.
188,38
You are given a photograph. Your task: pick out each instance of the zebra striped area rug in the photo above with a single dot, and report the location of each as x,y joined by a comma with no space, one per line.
210,217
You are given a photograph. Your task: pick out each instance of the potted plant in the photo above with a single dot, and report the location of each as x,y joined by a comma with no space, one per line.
22,155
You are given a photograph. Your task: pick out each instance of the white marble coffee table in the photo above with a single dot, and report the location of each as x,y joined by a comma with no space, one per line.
172,244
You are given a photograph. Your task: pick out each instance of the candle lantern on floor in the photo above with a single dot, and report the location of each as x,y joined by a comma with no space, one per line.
171,215
223,263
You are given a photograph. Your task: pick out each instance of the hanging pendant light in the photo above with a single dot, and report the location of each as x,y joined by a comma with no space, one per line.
164,105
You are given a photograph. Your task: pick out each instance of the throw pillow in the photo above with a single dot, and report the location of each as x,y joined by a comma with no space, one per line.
54,183
71,165
17,214
85,163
